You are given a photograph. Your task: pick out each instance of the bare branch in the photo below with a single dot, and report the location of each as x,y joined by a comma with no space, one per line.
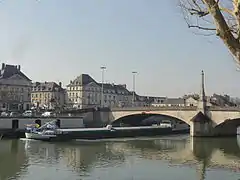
223,17
202,28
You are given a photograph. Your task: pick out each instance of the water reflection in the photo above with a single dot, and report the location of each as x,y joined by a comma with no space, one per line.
81,157
13,159
91,159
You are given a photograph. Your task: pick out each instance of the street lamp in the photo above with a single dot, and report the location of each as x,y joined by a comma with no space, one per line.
133,99
102,68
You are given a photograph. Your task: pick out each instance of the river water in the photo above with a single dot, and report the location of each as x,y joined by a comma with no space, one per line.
167,158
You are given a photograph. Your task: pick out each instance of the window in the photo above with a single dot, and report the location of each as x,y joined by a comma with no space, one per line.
21,98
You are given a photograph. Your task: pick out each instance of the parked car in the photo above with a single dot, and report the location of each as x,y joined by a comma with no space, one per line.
15,114
48,114
4,114
28,113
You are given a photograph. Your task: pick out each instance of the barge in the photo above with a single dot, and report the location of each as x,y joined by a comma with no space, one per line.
50,132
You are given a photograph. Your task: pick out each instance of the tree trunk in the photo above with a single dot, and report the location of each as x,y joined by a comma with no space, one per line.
223,30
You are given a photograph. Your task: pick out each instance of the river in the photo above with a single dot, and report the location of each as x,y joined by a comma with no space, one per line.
168,158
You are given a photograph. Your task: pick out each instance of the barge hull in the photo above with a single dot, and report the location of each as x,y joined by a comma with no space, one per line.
119,133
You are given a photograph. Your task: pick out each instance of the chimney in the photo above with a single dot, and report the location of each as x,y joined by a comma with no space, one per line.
3,65
60,84
123,85
19,67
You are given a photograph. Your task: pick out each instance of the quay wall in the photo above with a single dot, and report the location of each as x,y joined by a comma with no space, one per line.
89,119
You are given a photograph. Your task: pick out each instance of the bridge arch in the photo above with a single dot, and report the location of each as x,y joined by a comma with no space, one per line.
227,127
183,115
137,119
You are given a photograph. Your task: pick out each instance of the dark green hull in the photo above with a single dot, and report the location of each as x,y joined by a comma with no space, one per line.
119,133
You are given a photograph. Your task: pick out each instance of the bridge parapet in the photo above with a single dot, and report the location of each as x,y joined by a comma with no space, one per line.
170,108
217,108
176,108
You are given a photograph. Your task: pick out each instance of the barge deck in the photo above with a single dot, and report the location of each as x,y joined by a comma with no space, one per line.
105,133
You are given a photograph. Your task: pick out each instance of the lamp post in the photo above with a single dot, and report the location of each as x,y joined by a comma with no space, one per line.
102,68
133,99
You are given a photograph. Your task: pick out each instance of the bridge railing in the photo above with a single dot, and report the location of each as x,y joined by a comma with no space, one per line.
175,108
179,108
217,108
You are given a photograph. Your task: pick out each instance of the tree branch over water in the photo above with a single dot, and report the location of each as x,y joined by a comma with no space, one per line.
221,16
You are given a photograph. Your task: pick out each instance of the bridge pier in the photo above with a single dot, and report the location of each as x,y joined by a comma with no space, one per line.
201,126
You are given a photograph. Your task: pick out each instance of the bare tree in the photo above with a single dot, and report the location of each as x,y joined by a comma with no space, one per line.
220,17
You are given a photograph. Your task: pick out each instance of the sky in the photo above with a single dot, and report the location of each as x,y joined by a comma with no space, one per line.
57,40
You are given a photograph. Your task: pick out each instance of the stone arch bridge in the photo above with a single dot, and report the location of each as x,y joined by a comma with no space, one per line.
222,118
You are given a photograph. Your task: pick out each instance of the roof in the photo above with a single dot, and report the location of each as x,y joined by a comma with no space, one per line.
81,80
194,96
85,79
46,87
174,101
8,71
117,88
149,99
200,117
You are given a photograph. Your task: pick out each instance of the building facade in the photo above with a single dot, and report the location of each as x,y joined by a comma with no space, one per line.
191,101
84,91
48,95
168,102
15,89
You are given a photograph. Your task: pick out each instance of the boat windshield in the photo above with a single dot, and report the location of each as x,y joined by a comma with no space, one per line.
49,125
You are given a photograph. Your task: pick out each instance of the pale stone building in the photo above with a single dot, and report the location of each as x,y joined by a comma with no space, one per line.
15,88
84,91
191,101
146,101
169,102
48,95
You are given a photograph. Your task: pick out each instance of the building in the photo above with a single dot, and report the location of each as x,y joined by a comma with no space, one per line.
48,95
167,102
15,88
191,101
84,91
221,100
146,101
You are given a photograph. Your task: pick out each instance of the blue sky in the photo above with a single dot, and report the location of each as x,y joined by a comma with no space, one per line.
57,40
